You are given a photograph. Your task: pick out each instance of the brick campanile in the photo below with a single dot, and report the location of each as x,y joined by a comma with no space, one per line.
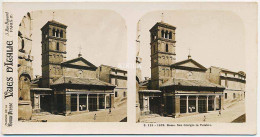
162,53
53,51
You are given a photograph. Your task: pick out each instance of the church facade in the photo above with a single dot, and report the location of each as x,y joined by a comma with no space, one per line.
178,88
67,86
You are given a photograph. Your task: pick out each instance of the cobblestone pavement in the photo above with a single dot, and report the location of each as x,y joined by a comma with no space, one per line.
117,114
227,116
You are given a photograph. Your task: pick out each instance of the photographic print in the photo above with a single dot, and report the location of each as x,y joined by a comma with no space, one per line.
193,67
67,67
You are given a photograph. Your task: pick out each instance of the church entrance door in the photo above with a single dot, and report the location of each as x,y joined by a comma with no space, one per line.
45,101
154,105
202,104
169,105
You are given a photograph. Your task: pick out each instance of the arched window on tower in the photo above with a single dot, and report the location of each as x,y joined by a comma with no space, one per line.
53,32
57,33
152,37
162,33
167,48
57,46
166,34
170,35
22,44
61,34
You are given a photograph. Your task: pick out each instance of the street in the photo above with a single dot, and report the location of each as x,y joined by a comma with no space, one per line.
227,116
117,114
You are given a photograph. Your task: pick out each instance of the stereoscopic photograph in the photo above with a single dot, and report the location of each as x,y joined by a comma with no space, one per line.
129,68
68,66
191,67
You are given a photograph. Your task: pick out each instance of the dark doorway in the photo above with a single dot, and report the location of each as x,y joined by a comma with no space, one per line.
92,100
45,102
192,104
169,105
60,105
154,105
101,101
73,102
183,104
211,103
202,104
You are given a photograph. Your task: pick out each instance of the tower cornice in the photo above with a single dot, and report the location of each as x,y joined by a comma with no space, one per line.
163,39
168,53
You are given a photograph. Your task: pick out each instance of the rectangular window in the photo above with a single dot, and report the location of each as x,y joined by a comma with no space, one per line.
124,94
115,93
225,95
116,82
226,83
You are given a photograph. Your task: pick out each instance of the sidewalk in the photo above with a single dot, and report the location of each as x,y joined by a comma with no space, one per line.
116,115
227,116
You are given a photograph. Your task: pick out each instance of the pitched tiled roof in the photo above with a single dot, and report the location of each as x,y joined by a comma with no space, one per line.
81,81
115,68
190,83
227,70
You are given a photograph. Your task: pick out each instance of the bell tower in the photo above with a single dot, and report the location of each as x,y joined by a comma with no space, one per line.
53,51
162,53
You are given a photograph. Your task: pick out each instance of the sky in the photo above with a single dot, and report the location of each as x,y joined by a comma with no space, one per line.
100,34
216,38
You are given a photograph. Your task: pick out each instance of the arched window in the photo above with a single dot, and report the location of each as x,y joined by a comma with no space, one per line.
22,44
162,33
57,33
167,48
170,35
61,34
166,34
53,32
57,46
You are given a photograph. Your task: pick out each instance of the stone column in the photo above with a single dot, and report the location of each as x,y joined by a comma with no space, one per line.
68,104
215,103
221,102
177,106
97,101
87,103
77,102
105,101
197,104
207,104
187,104
148,104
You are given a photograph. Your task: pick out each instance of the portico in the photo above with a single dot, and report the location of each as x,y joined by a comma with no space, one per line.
79,94
183,99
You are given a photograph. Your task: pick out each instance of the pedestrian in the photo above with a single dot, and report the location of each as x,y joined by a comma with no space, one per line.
219,113
204,119
95,116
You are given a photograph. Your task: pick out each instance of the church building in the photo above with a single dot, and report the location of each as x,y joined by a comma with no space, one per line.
177,88
67,86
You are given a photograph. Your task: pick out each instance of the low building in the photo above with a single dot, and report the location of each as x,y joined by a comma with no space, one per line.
117,77
234,83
